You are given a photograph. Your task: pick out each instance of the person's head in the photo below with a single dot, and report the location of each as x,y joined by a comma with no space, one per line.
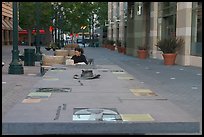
78,51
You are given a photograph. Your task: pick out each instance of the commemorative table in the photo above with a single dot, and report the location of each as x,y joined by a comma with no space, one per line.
114,103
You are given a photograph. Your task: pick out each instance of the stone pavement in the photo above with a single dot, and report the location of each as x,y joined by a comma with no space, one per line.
181,85
15,87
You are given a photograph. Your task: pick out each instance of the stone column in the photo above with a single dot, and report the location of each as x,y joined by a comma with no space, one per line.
115,22
3,37
11,38
183,29
121,23
139,26
153,30
7,33
109,18
130,30
7,37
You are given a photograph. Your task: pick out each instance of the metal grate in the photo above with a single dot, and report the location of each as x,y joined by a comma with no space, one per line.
54,90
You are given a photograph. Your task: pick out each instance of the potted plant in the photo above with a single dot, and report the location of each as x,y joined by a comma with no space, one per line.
109,44
142,52
170,47
54,46
105,43
49,46
123,48
112,43
119,44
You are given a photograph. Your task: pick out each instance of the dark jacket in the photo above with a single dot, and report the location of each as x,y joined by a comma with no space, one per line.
78,59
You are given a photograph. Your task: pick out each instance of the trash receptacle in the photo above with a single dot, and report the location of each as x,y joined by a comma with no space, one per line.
29,57
97,44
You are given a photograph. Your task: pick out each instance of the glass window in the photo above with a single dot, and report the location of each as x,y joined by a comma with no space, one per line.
167,19
196,39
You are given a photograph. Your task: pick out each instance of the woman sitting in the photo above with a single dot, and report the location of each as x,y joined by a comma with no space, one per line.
79,56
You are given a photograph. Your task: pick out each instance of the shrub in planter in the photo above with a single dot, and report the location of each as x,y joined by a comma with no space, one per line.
119,44
170,47
142,52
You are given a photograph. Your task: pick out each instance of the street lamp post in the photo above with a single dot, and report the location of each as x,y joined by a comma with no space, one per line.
38,55
83,28
56,8
15,66
59,23
55,25
64,17
60,13
92,30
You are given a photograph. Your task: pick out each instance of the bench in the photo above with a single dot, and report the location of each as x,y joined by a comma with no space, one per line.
61,53
71,46
48,61
67,52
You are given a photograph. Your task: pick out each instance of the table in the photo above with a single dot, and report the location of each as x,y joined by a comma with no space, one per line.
115,103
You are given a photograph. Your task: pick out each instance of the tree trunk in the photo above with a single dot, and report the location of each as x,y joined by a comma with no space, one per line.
29,37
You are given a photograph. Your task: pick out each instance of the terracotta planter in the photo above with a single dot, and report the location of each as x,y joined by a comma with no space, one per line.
142,54
112,48
169,59
123,50
109,46
119,49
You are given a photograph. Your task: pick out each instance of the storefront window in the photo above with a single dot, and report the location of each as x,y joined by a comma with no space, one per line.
196,39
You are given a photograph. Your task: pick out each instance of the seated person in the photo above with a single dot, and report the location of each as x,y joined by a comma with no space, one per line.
79,56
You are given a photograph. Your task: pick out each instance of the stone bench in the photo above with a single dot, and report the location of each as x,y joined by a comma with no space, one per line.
67,52
48,61
71,46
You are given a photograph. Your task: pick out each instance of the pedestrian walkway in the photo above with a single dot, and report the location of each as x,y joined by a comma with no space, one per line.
180,85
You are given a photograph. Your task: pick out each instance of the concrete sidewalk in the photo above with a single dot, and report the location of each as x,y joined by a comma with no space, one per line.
180,85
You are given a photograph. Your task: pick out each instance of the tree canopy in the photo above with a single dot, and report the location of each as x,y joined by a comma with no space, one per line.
77,14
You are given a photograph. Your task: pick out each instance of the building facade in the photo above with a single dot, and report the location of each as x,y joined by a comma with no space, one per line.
148,22
7,23
117,21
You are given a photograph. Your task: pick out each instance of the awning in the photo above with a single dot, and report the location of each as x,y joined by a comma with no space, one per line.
11,22
5,25
33,32
8,25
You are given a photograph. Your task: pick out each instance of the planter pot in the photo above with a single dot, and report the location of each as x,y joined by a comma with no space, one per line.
109,46
119,49
169,59
112,48
123,50
142,54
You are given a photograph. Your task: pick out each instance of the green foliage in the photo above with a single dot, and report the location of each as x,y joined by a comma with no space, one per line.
105,41
142,47
28,11
26,14
118,43
170,45
77,14
112,42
